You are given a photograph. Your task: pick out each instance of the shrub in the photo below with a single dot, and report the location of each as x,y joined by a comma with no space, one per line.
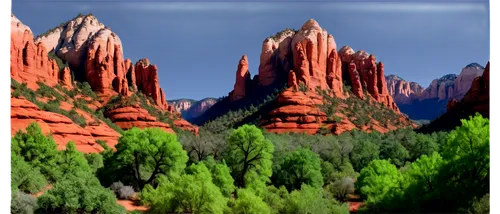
341,188
116,186
75,117
303,87
49,92
126,192
87,90
60,63
22,203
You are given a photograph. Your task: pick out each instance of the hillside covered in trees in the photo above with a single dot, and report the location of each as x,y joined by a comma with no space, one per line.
247,170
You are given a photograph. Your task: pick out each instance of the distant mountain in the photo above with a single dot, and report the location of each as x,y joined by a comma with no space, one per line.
429,103
475,100
190,108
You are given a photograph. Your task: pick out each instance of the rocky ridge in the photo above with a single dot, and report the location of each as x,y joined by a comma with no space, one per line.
475,100
192,108
307,61
411,97
94,53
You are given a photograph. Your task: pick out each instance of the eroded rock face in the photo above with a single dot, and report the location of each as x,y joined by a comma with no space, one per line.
70,40
66,78
307,60
62,128
477,99
295,112
402,91
242,77
146,76
29,60
439,88
95,54
464,80
134,116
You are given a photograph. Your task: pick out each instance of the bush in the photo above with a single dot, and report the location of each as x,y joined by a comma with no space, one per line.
75,117
126,192
87,90
49,92
22,203
116,186
341,188
25,177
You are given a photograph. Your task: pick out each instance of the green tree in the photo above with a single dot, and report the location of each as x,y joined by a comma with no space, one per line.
363,152
25,177
95,161
393,150
249,203
38,150
380,184
221,176
341,188
422,184
300,167
193,192
467,156
275,198
79,193
146,154
248,150
312,200
22,203
72,161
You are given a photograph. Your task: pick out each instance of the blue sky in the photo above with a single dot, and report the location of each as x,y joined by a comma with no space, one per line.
197,45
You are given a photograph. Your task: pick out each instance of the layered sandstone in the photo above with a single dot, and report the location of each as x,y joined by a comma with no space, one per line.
94,54
307,61
134,116
60,127
441,88
295,112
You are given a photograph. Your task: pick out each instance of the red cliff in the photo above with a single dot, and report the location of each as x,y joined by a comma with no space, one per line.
307,62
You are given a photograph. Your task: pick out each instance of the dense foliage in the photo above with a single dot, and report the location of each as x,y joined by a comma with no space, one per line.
247,170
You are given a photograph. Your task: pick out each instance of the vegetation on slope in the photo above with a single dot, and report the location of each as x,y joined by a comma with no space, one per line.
248,169
60,94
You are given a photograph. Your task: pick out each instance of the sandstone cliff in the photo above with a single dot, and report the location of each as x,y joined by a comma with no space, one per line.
477,99
94,54
308,63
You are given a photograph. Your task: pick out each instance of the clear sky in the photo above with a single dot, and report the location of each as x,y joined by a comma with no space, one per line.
197,45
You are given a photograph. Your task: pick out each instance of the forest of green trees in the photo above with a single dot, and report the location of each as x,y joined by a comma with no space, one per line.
248,170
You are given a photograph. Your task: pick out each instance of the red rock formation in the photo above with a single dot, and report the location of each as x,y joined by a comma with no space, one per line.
146,76
62,128
99,71
292,81
29,61
301,65
355,81
295,112
130,74
66,78
134,116
334,74
242,77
